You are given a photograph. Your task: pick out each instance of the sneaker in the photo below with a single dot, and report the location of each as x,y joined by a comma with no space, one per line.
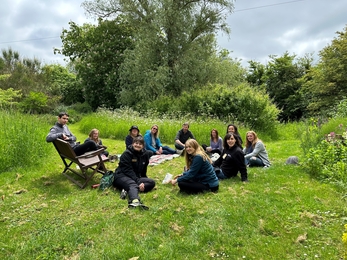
123,194
113,158
136,203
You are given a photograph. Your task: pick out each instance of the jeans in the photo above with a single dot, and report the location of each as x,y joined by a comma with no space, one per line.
254,162
168,150
178,146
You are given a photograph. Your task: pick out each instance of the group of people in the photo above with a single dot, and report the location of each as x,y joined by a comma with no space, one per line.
200,173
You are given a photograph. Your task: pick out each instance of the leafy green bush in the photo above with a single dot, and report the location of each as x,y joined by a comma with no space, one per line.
35,103
328,161
241,104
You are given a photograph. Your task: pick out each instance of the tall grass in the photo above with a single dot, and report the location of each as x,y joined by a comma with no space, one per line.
22,141
116,125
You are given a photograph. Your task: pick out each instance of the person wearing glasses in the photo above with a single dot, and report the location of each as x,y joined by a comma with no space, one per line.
152,142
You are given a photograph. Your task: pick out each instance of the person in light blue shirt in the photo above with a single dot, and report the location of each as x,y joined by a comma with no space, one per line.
199,175
153,143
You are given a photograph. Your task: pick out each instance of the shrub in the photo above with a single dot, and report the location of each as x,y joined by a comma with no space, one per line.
253,108
35,103
328,161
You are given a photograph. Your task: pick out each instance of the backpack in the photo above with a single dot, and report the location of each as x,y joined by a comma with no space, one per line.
106,180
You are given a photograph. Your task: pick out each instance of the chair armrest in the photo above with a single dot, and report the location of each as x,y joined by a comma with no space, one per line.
91,154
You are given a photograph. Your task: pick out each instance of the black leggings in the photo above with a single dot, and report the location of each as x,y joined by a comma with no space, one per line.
86,147
128,184
195,187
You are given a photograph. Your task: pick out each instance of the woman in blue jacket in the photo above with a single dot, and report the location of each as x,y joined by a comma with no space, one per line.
153,143
199,176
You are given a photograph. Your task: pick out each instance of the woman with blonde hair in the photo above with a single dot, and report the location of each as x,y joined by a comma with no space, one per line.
94,136
199,175
255,152
153,143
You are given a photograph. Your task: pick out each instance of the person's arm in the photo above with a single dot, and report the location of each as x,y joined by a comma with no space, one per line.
54,134
70,137
240,159
194,169
220,144
159,144
128,141
259,146
219,161
126,166
177,138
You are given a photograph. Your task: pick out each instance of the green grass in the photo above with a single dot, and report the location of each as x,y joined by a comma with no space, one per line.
280,214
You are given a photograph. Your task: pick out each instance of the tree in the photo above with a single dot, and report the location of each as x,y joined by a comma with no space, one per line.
97,52
281,80
326,83
174,40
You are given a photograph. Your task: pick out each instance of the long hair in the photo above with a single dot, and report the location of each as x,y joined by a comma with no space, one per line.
255,139
92,132
235,128
227,137
198,151
157,132
217,135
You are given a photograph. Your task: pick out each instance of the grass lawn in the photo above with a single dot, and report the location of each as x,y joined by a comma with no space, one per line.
280,214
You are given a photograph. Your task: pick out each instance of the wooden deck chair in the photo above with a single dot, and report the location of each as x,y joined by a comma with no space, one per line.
80,164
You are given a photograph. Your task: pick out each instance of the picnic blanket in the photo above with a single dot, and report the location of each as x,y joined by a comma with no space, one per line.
158,159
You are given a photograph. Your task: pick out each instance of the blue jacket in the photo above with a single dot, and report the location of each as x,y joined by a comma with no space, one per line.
200,171
148,142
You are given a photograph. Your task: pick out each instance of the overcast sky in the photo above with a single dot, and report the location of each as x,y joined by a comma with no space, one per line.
258,28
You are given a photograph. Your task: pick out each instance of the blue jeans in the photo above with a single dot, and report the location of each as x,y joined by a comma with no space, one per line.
168,150
256,162
220,175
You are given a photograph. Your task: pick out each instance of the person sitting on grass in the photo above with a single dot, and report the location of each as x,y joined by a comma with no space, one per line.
134,131
61,130
232,159
216,143
131,173
199,175
255,152
153,143
182,136
94,136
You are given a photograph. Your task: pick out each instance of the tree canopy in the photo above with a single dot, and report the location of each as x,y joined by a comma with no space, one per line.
173,42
